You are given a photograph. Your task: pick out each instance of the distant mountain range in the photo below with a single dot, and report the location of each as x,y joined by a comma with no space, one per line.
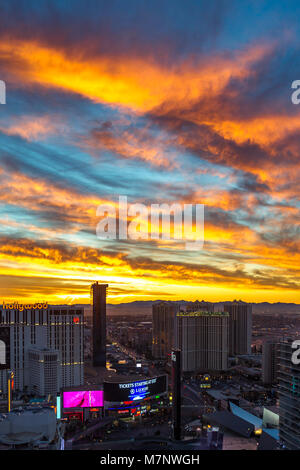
144,307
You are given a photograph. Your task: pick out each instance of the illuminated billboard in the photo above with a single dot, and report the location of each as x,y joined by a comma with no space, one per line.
21,307
134,391
4,347
83,398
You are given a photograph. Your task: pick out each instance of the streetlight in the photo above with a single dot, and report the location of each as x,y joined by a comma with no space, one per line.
10,386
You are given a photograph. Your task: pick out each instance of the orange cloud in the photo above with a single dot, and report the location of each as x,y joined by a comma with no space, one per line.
137,83
131,143
32,127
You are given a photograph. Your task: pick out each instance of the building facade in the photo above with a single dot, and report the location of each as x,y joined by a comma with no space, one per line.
98,301
270,365
44,369
203,338
55,329
163,329
198,306
240,327
289,397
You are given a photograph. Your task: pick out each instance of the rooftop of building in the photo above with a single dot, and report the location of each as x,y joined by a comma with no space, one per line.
202,313
234,423
223,394
129,379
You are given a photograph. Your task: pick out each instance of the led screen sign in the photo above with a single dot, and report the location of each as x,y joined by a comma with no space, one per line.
83,399
133,391
21,307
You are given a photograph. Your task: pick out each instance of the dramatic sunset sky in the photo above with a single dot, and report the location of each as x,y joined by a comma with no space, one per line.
162,101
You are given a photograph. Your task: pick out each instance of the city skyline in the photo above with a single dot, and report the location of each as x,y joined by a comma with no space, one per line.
163,103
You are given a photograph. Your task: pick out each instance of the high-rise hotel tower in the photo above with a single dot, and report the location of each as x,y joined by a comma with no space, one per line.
163,328
45,345
202,338
240,327
98,301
